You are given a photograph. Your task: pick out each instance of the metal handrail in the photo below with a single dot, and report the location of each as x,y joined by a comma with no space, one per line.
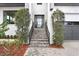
31,32
47,33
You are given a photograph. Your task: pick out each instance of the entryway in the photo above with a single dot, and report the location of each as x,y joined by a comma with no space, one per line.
39,21
39,37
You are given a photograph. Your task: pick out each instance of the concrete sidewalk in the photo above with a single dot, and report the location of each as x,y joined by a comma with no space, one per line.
71,48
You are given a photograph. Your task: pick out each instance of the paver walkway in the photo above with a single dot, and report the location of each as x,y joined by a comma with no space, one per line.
70,49
52,52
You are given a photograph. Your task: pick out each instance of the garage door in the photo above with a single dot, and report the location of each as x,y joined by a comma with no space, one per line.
71,26
71,31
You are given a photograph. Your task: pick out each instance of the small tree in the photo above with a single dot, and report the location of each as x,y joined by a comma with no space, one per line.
22,23
58,27
3,28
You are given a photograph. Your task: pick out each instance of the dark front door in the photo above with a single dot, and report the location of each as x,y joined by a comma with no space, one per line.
39,21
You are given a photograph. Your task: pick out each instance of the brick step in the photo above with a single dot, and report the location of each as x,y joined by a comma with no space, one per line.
39,45
39,42
39,39
39,33
42,35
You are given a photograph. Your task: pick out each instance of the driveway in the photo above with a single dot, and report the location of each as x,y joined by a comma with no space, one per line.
71,48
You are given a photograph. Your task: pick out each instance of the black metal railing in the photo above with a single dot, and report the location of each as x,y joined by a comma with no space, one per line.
31,32
47,33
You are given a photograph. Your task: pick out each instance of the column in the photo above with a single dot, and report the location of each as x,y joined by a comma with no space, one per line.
49,21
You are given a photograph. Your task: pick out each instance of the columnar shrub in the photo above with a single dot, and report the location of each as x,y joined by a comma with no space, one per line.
58,27
22,23
3,29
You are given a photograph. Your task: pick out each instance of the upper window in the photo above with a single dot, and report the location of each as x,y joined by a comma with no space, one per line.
9,16
71,23
39,3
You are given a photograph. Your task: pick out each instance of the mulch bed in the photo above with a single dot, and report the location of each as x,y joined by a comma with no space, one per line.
55,46
13,50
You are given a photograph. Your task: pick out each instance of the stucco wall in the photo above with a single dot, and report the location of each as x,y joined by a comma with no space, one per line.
50,27
71,12
68,9
49,23
12,27
39,9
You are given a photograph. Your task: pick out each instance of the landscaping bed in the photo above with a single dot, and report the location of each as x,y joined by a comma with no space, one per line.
13,50
55,46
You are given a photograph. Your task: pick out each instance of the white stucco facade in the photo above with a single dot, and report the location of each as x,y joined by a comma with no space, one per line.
71,14
39,10
49,22
43,9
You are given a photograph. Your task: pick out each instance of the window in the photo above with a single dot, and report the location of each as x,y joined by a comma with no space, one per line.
9,16
71,23
39,3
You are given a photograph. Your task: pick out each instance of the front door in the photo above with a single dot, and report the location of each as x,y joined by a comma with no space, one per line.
39,21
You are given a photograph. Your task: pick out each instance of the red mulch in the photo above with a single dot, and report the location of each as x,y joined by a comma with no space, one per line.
14,51
1,49
56,46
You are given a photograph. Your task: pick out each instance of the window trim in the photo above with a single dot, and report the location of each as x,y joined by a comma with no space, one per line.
39,3
9,21
71,23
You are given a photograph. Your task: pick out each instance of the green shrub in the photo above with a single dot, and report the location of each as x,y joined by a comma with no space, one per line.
3,29
58,27
22,23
